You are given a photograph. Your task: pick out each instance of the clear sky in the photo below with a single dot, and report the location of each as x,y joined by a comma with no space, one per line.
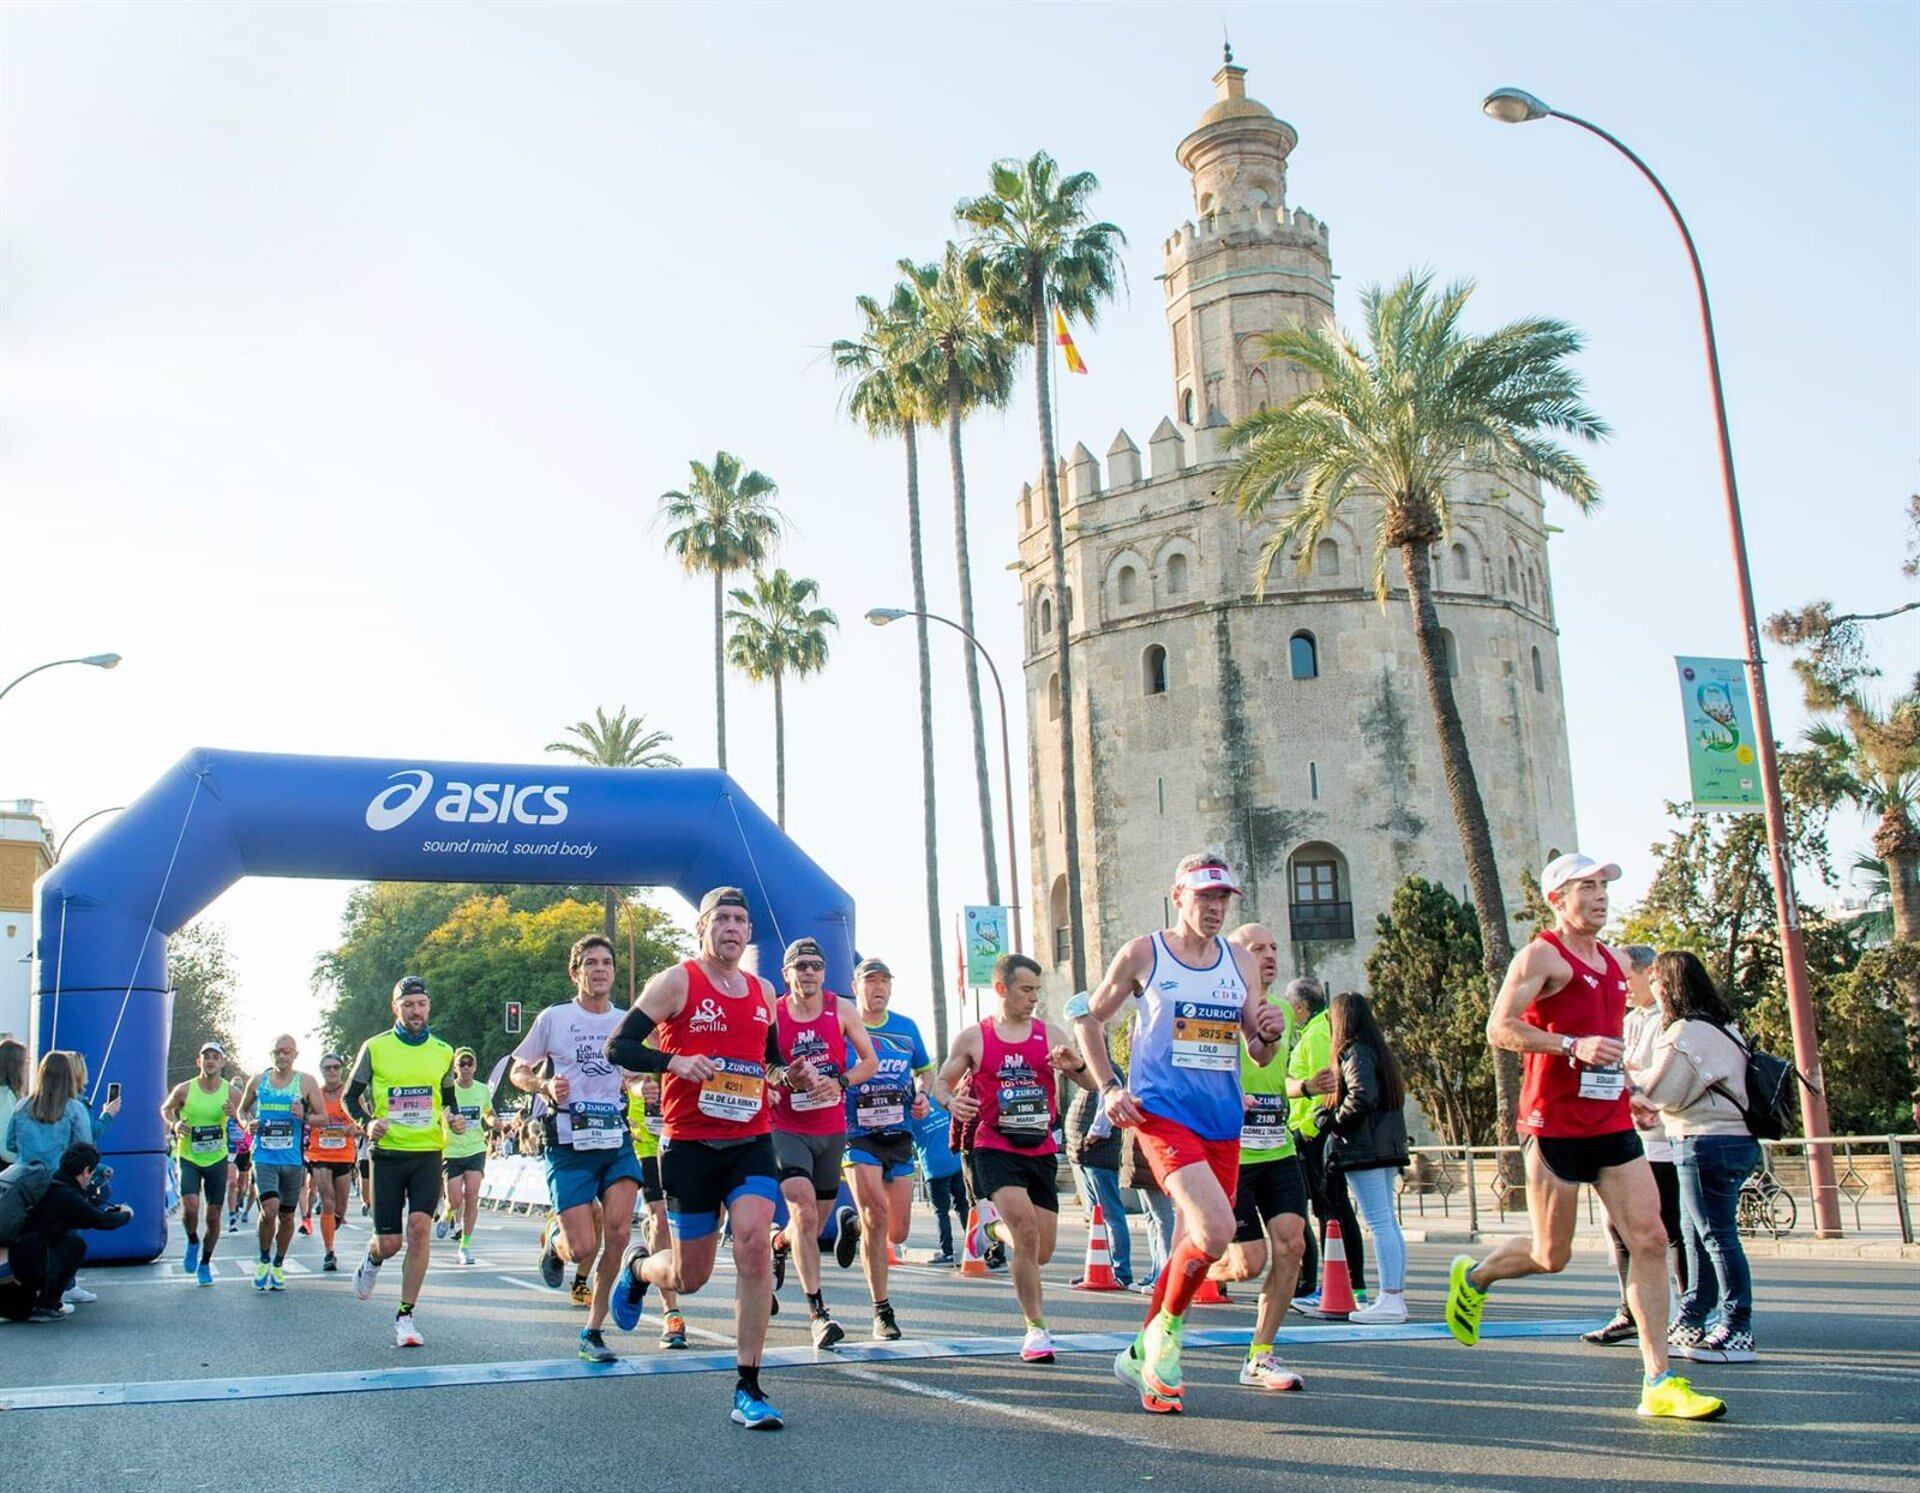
347,348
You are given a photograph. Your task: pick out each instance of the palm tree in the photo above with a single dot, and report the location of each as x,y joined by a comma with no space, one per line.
725,521
1398,422
886,393
778,631
617,741
972,351
1039,249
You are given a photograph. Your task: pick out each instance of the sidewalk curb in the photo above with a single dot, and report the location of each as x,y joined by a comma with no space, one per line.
1758,1249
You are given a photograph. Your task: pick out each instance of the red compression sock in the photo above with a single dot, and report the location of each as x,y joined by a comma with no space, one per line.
1182,1277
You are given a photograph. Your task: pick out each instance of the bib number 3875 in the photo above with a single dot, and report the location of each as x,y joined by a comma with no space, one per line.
1206,1038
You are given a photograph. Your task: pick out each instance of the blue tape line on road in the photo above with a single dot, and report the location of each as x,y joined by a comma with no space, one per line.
533,1370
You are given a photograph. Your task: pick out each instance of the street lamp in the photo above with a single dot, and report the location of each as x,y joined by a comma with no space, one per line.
880,617
95,660
61,848
1516,106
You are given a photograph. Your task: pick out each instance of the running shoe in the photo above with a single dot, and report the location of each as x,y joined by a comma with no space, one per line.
45,1314
1268,1372
754,1413
1619,1329
1717,1346
1307,1305
1464,1302
1672,1398
885,1329
364,1210
261,1273
205,1273
553,1270
1388,1311
330,1261
1036,1346
593,1347
405,1334
233,1221
440,1227
276,1277
630,1289
466,1255
944,1257
827,1332
190,1261
1126,1368
1685,1341
773,1305
366,1277
846,1244
581,1293
780,1254
1160,1356
306,1226
673,1330
78,1295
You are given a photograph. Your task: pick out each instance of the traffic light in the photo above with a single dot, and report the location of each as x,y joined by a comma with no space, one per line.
513,1016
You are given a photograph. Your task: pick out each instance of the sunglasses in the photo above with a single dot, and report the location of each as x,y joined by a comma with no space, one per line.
808,966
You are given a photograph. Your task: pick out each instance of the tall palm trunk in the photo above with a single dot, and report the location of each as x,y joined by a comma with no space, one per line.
1897,843
966,620
720,665
1056,538
1469,814
607,924
930,828
779,751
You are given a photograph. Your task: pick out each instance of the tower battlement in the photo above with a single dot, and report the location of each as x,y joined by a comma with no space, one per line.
1264,223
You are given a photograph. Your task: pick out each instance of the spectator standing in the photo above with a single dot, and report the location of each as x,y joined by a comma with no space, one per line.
51,1119
1095,1159
13,1089
1310,1079
49,1249
946,1190
1697,1079
1367,1143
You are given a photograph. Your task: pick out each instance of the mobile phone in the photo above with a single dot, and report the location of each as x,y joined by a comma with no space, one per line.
113,1092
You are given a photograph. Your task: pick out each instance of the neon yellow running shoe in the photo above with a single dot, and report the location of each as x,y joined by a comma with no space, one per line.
1160,1356
1675,1399
1464,1302
1126,1368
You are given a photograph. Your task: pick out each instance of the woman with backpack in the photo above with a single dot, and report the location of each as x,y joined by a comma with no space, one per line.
1698,1082
1366,1119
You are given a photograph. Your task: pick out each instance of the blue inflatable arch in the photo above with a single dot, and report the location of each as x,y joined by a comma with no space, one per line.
107,911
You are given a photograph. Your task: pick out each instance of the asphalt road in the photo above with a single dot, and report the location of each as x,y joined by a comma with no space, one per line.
1833,1403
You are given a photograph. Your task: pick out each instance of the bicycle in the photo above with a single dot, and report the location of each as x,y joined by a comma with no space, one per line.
1765,1207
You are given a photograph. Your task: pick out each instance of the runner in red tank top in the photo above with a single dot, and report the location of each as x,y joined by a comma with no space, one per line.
1562,1007
816,1027
712,1025
1013,1058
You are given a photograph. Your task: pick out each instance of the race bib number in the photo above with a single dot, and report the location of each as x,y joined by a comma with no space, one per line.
276,1133
1023,1110
1265,1125
207,1137
596,1127
804,1101
410,1107
1206,1038
880,1109
734,1092
332,1140
1603,1083
655,1122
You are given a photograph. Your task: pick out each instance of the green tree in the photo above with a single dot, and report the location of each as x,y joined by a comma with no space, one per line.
723,522
619,740
1040,250
1430,994
777,631
1398,423
886,393
971,349
200,970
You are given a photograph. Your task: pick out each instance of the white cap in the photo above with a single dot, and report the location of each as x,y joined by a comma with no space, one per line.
1574,867
1208,878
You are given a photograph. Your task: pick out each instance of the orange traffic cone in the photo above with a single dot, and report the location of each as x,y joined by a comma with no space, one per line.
1336,1284
1099,1275
895,1254
973,1260
1211,1293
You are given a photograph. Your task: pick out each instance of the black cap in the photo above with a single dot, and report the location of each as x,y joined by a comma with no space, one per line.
409,985
871,967
802,948
723,896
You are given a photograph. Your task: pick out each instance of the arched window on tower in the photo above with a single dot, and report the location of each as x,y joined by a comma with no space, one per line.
1326,558
1127,585
1462,566
1319,899
1053,697
1257,389
1069,596
1539,673
1513,576
1057,920
1177,575
1303,656
1046,623
1186,407
1153,670
1450,651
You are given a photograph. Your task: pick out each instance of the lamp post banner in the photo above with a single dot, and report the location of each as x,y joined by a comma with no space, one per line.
986,941
1721,761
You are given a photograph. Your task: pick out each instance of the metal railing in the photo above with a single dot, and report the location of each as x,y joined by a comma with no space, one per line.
1311,922
1465,1182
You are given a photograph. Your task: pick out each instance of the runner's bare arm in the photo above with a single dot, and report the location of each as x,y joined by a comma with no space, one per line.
1125,977
961,1061
1063,1058
175,1102
1533,969
246,1100
866,1060
1260,1020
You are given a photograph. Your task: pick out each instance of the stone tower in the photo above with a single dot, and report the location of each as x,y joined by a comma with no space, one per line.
1288,729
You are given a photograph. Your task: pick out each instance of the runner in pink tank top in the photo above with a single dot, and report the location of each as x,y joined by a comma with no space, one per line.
1013,1059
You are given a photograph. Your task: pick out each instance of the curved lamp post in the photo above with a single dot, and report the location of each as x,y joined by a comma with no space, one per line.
1516,106
94,660
61,849
880,617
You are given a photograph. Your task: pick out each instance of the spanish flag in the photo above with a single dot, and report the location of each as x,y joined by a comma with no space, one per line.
1075,363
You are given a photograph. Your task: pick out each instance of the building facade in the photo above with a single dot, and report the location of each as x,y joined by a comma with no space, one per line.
1288,728
26,854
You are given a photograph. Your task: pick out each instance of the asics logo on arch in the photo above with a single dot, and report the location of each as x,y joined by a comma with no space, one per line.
465,803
